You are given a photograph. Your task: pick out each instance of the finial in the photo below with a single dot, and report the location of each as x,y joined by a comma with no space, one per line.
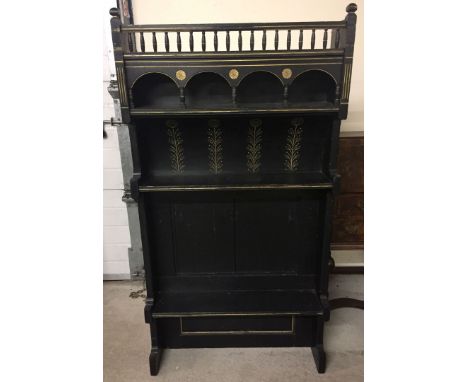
114,12
351,8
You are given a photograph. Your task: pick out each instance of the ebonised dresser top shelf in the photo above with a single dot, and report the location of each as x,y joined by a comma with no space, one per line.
234,182
212,303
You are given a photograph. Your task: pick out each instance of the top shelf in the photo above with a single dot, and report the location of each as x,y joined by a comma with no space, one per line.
285,67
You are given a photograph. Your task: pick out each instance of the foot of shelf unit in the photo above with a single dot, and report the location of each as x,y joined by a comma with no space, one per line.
155,360
319,358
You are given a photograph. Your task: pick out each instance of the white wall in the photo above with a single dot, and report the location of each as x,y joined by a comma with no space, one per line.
116,231
244,11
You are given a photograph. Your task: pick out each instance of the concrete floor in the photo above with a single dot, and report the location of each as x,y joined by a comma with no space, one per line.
127,344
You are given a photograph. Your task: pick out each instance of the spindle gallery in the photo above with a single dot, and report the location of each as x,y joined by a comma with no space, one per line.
234,133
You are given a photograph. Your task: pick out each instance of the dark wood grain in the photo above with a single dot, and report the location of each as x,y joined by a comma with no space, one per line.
348,219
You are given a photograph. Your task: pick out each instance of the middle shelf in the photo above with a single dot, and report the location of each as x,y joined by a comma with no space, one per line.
235,182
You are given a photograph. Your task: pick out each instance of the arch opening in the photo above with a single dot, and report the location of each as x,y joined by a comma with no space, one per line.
312,86
155,90
207,89
260,88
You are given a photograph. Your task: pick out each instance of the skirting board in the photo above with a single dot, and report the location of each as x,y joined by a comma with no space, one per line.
117,276
348,261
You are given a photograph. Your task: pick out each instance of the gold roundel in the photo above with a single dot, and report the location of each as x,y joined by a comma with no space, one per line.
286,73
180,74
233,74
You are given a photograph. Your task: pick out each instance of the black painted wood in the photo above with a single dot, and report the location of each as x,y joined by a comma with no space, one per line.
155,42
234,157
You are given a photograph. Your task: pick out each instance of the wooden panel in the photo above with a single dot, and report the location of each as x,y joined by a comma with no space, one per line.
203,237
351,164
280,235
348,216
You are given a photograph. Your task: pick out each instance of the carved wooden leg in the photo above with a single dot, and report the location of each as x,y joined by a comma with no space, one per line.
317,351
155,360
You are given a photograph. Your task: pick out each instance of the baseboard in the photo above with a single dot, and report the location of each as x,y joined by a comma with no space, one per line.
116,276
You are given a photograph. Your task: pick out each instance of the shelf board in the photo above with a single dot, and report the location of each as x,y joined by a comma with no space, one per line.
235,182
319,107
231,303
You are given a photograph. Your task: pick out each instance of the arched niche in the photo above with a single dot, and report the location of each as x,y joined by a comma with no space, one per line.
155,90
207,89
260,88
312,86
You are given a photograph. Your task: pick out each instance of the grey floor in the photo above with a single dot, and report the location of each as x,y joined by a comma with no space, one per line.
126,346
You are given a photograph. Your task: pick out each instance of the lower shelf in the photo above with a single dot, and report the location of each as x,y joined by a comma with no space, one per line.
242,303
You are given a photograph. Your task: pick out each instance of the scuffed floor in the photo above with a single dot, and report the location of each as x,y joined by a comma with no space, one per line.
127,344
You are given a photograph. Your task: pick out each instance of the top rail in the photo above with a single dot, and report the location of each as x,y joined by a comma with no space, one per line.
226,37
233,27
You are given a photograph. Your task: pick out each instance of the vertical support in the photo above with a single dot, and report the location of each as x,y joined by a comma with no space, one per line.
285,93
228,41
155,43
327,213
312,40
166,41
348,58
337,38
276,39
142,42
216,41
191,41
325,39
239,41
252,40
301,39
288,41
130,42
203,41
119,64
179,42
318,351
264,40
182,95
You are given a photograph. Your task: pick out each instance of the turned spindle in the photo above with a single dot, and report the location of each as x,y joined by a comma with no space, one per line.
130,42
264,40
191,41
166,40
337,39
325,39
142,42
155,42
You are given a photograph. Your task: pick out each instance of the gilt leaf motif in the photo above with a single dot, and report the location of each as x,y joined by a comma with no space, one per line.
176,150
293,145
215,149
254,145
